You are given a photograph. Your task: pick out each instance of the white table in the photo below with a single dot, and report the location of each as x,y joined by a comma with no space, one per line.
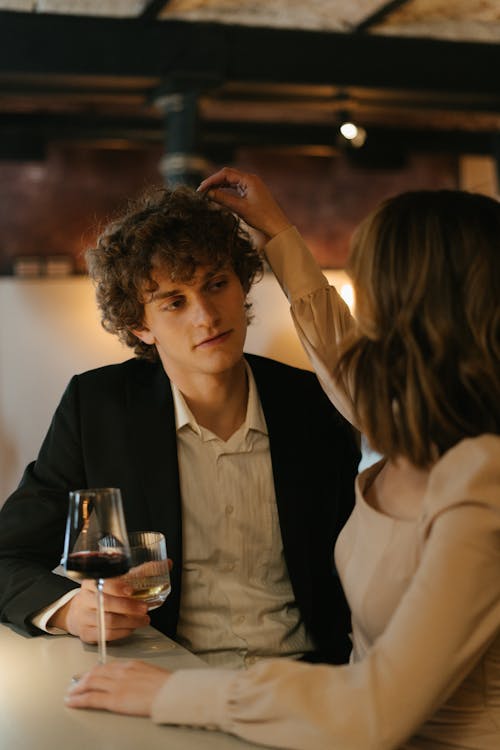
34,675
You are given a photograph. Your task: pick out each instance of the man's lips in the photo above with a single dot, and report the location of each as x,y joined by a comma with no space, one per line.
213,340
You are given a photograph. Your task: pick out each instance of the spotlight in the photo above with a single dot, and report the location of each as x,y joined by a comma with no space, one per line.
354,134
349,130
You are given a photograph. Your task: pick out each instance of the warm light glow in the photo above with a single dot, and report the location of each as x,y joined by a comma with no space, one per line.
349,130
355,134
347,294
342,283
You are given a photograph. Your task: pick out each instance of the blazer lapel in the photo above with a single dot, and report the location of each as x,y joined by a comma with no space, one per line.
291,495
153,470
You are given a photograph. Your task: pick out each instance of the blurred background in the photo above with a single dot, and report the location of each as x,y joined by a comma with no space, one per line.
337,104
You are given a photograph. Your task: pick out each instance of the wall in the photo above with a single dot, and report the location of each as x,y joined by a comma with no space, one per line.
48,331
328,197
57,206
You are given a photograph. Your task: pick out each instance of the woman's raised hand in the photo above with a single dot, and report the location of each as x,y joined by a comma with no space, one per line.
246,195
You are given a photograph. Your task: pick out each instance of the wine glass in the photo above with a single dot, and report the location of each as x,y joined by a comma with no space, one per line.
96,544
149,574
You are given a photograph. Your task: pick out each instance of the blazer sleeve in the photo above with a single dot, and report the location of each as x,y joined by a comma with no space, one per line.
32,521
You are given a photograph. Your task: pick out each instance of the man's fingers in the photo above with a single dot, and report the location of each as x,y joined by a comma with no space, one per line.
113,621
122,615
124,605
116,626
118,586
89,634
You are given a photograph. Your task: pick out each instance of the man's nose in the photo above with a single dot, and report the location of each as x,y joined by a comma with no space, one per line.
205,312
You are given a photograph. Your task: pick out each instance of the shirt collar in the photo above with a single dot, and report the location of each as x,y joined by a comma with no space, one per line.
254,419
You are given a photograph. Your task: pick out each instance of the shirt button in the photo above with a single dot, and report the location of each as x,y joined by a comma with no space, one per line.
229,509
251,660
240,620
228,567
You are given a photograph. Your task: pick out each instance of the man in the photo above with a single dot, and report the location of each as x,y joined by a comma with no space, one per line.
241,462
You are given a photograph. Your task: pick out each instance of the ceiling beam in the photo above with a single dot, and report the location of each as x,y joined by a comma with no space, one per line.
152,9
53,44
233,135
377,16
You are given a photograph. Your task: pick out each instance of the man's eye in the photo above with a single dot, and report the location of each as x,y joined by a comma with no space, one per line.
218,284
174,304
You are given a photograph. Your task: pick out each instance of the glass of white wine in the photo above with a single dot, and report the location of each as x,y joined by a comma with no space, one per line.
149,573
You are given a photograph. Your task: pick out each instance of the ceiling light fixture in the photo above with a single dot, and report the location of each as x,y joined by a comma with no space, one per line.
354,134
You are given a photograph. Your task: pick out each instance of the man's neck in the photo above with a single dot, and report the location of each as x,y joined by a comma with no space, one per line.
218,402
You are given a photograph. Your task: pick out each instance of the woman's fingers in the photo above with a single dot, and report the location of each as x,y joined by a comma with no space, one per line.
226,177
248,196
125,687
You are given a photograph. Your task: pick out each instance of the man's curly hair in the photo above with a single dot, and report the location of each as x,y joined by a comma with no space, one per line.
179,230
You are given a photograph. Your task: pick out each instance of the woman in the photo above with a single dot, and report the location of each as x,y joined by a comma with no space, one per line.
418,372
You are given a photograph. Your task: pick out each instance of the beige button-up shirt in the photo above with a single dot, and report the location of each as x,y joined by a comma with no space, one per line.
237,603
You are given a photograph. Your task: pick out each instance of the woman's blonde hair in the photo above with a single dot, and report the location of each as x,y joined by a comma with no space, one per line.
425,353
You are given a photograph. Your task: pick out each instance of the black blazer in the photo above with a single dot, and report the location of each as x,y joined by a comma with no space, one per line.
115,427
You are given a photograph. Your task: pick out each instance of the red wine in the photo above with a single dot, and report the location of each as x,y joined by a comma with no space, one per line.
97,564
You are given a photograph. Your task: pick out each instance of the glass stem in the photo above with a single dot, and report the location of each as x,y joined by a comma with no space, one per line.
101,628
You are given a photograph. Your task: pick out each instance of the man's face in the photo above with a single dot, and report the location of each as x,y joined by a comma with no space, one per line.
199,327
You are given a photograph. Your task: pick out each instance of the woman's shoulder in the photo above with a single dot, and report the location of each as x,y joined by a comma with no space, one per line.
467,473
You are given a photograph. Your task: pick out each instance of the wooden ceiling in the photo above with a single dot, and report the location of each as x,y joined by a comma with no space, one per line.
417,74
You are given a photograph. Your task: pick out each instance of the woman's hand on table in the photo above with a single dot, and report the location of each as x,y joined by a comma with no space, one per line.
246,195
125,687
123,614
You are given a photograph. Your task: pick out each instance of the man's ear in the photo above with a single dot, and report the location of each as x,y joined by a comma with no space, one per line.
144,334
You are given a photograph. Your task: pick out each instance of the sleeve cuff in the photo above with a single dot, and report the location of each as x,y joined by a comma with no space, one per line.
194,697
41,618
293,265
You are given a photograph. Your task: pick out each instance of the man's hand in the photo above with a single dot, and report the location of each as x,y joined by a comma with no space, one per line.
123,614
124,687
247,196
